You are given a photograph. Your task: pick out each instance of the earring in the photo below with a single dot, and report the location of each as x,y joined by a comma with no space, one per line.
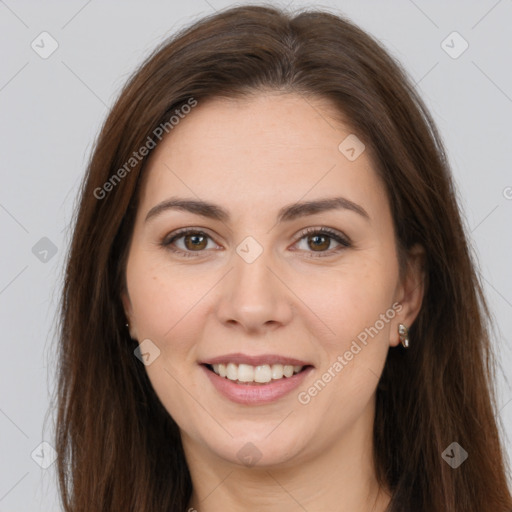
403,335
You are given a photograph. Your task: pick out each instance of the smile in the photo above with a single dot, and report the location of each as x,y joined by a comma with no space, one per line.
265,381
261,374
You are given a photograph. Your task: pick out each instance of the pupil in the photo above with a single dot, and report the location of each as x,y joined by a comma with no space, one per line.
196,240
317,240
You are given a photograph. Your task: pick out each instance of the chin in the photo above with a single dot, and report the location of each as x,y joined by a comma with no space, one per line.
259,451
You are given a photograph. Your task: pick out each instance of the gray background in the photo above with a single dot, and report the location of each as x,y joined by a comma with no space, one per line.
51,110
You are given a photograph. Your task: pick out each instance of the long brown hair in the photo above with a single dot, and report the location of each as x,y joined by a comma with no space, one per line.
118,448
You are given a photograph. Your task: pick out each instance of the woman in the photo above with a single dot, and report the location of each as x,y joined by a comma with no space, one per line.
269,301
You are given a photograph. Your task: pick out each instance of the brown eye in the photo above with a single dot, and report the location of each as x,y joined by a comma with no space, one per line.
322,242
188,242
319,242
195,241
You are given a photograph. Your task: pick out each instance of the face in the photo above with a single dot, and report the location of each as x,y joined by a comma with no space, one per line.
287,279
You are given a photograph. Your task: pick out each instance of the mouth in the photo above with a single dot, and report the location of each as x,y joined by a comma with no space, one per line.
255,380
255,375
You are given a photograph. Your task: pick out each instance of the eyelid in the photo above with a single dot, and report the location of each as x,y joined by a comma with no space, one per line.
185,231
328,231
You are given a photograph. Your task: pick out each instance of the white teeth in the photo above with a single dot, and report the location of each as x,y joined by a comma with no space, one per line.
277,371
232,371
260,374
287,370
245,373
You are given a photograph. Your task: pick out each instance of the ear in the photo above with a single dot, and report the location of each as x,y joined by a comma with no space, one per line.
410,290
128,311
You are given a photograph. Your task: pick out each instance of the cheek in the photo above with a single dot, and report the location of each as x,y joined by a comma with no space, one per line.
359,311
162,297
352,358
350,300
165,303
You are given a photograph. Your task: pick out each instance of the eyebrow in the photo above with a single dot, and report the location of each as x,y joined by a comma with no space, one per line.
287,213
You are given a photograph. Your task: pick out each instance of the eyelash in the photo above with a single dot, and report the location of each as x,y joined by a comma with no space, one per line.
330,233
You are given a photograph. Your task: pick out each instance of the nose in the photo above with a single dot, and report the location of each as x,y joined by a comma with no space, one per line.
254,297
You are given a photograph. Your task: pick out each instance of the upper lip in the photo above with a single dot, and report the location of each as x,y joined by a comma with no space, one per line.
269,359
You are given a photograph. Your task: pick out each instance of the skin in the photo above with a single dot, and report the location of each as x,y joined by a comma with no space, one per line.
300,298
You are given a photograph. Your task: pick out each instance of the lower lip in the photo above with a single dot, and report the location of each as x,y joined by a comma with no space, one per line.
254,394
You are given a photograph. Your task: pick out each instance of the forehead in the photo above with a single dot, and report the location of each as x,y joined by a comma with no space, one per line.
268,147
282,122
